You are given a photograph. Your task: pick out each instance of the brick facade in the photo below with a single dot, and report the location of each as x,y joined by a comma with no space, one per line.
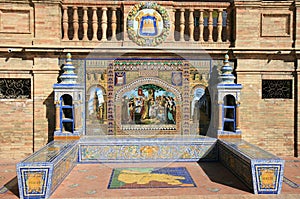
263,42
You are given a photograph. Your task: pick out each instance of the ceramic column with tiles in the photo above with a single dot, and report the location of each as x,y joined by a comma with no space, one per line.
69,104
228,96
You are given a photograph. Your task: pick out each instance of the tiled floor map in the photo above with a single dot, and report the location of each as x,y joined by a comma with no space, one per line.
133,178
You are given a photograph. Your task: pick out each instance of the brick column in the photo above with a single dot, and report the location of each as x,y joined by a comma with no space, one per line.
45,73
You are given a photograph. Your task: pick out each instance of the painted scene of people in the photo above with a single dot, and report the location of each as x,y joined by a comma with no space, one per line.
148,104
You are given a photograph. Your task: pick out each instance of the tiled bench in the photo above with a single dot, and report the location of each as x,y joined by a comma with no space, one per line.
259,170
41,173
120,150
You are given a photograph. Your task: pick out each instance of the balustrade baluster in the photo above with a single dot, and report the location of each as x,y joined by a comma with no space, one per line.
201,26
210,25
220,21
182,25
191,24
75,23
228,24
113,24
85,24
95,24
206,30
173,24
65,23
104,24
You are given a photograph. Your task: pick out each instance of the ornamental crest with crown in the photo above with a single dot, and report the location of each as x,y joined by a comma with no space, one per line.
148,24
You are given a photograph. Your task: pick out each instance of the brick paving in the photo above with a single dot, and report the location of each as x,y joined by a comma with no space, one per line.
212,180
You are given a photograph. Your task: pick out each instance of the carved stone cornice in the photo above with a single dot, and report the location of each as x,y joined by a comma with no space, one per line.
46,1
15,1
262,3
297,3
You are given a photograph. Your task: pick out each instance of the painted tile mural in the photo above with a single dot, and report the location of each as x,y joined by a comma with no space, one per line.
35,181
148,104
133,178
180,152
268,178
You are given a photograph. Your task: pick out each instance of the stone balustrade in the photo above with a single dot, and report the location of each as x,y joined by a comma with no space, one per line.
92,23
199,23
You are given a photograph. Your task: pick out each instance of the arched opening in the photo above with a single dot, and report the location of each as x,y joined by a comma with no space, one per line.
96,116
66,114
229,112
200,109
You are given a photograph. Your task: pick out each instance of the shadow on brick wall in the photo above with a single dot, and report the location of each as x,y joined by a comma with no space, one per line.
50,115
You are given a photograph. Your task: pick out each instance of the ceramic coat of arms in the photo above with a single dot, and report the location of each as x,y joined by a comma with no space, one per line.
148,24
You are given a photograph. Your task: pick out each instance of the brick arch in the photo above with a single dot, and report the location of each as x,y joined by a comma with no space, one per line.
148,80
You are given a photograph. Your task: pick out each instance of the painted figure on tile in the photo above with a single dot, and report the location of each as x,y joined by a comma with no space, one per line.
100,99
171,119
96,103
198,101
139,107
150,104
161,113
131,107
152,109
125,110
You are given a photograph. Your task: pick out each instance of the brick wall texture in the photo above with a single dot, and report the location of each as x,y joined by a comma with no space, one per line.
264,42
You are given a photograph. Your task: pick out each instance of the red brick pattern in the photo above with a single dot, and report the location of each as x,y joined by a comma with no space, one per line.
35,40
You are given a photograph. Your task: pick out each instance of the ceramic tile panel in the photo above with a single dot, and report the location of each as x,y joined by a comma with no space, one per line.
43,171
34,181
64,167
49,152
136,178
268,176
237,165
259,170
144,149
249,150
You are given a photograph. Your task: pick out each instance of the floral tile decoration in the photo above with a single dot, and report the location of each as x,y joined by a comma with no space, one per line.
134,178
